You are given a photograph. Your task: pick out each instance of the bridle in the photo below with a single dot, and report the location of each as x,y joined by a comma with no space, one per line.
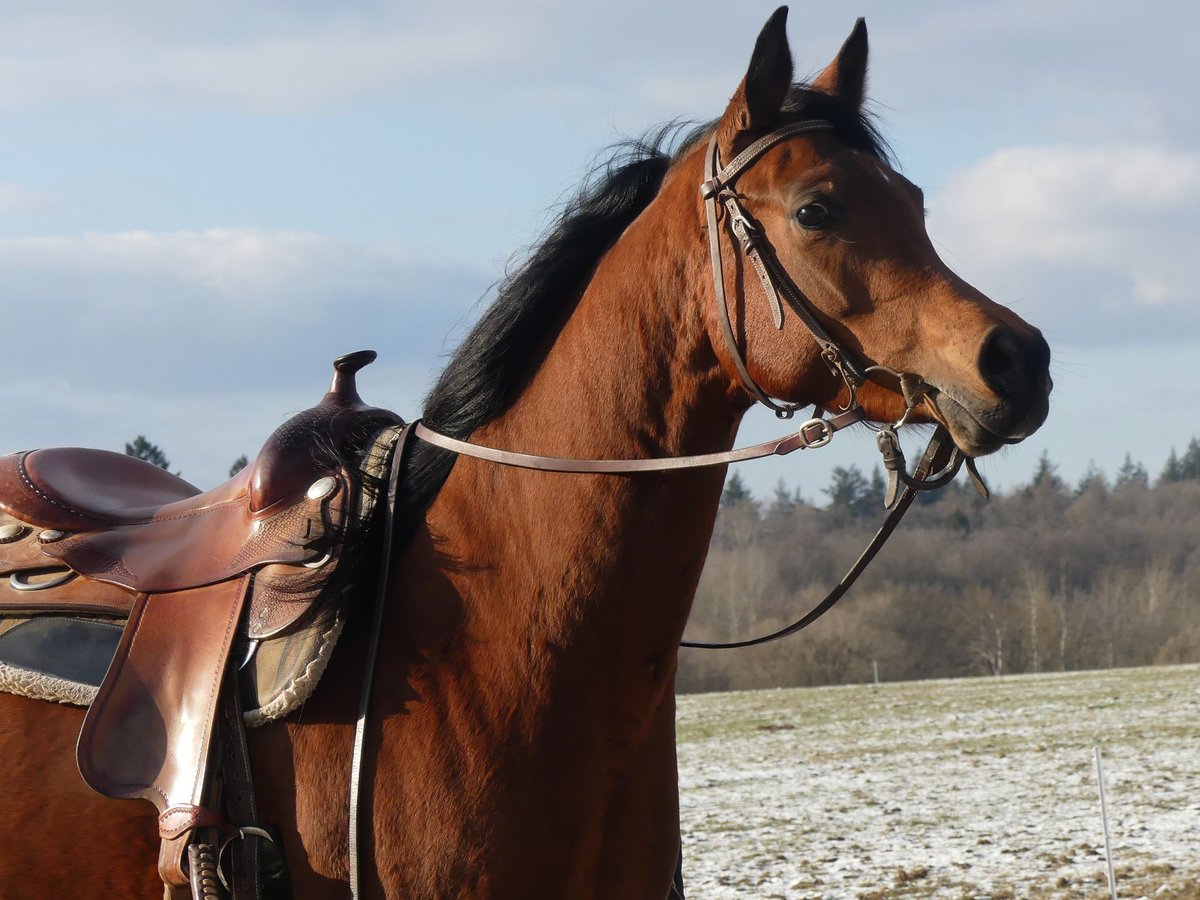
718,191
938,465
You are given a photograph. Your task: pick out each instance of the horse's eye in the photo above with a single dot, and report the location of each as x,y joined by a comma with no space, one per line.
813,214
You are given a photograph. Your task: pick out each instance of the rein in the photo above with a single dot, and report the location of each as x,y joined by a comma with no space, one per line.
812,434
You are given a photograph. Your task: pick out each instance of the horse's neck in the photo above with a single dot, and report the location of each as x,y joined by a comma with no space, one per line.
605,566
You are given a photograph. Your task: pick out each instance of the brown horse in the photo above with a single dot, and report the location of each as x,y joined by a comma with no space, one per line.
522,743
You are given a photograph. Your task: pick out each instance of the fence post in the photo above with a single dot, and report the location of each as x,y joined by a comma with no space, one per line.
1112,881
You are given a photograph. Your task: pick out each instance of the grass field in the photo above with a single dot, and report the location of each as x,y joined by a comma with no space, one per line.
966,788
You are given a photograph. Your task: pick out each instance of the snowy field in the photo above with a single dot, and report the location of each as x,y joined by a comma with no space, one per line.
979,787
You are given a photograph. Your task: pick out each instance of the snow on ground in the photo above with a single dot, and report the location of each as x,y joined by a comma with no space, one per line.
980,787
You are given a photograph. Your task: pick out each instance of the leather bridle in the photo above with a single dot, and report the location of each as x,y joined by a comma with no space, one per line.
939,464
718,192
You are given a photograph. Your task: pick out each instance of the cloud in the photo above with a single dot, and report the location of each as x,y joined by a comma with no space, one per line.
1090,235
1066,202
206,340
202,432
232,265
218,312
279,63
1027,67
15,199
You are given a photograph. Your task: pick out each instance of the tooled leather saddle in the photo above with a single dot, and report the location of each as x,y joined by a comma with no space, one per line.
192,578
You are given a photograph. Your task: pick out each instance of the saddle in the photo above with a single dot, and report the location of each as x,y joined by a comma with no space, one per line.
190,577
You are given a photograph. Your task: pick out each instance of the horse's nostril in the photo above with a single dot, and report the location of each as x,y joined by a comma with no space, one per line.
1009,365
1000,356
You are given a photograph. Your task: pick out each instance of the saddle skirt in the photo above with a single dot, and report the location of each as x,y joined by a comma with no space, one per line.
126,589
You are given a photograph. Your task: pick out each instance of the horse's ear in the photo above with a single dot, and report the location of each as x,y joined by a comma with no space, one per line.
756,105
846,76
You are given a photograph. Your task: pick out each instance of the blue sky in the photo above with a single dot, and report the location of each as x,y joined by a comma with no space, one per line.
202,204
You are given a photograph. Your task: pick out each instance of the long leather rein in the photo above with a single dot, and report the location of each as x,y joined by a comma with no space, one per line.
937,467
814,433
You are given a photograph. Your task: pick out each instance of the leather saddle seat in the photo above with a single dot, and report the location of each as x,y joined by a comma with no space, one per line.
78,489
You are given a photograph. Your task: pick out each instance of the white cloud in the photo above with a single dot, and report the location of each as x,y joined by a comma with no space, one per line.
1085,233
1064,202
252,270
200,432
206,340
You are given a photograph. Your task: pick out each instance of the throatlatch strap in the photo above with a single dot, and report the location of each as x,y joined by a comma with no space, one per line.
714,252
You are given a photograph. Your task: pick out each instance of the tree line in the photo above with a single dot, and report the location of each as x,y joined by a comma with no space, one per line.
1046,577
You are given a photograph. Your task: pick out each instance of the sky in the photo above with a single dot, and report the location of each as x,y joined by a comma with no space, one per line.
201,204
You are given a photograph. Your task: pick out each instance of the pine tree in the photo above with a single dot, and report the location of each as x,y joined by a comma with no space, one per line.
238,464
1132,474
735,491
1172,471
143,449
1189,465
849,490
784,502
1093,480
1045,476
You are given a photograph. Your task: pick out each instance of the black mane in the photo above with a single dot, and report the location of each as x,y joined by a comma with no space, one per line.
501,352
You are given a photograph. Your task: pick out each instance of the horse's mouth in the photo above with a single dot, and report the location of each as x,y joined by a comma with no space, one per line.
972,435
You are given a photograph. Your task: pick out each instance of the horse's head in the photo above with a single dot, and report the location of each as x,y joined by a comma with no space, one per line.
849,232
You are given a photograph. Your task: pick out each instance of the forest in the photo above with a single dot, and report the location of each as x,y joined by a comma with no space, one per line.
1048,576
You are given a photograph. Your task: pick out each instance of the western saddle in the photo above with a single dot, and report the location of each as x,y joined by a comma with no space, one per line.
197,577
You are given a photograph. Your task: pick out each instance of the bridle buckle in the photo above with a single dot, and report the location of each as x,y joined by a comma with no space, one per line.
824,433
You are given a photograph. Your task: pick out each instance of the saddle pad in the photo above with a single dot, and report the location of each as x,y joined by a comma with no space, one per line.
63,659
56,658
61,647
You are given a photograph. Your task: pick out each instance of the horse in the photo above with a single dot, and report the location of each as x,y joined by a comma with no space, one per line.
522,732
